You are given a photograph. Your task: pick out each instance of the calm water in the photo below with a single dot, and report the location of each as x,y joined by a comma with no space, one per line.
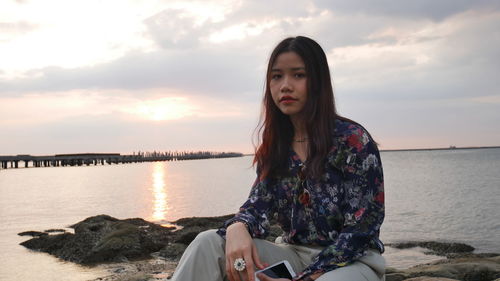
448,195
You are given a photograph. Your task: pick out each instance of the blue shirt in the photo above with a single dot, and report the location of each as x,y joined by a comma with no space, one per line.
342,210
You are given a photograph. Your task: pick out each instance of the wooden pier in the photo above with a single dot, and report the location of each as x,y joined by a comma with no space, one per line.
58,160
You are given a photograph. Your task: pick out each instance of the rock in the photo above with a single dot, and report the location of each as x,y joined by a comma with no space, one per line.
48,243
173,251
203,222
32,233
436,248
471,255
391,270
155,269
428,278
187,235
104,239
191,227
395,276
473,268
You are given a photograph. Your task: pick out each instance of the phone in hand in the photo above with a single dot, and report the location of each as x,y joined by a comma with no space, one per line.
281,269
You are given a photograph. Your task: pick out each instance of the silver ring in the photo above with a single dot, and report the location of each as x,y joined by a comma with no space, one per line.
239,264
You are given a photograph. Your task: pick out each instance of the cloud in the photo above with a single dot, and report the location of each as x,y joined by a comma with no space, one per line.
19,27
435,60
373,58
195,23
279,9
75,34
211,72
174,28
430,9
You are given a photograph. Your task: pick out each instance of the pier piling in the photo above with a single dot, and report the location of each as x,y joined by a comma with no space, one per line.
95,159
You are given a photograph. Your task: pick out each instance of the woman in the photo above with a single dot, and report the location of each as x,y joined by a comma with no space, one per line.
318,174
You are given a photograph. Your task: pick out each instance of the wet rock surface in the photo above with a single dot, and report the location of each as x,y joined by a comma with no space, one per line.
436,248
32,233
468,270
460,264
103,239
135,249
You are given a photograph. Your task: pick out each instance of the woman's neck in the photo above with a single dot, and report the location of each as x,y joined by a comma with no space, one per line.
299,129
300,141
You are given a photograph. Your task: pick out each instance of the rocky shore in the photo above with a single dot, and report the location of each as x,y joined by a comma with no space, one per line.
138,250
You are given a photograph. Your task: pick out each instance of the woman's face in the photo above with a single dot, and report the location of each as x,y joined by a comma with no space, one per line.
288,84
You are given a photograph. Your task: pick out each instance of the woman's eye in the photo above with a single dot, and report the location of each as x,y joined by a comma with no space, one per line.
300,75
276,76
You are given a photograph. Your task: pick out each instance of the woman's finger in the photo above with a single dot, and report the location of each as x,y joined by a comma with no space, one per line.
234,273
263,277
256,258
228,270
250,267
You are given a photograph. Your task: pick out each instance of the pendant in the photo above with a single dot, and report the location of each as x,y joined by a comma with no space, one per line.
305,198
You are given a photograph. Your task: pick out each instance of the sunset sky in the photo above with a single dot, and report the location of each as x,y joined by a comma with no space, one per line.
129,75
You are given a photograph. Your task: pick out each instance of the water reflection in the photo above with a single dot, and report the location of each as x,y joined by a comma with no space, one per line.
159,192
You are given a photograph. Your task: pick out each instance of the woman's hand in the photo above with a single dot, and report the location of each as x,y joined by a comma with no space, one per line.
239,244
263,277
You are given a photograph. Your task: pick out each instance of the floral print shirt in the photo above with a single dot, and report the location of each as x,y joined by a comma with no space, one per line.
342,211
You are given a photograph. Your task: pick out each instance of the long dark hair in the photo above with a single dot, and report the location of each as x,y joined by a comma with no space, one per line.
275,129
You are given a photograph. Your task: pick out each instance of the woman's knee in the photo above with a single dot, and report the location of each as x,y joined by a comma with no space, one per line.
208,238
356,271
208,235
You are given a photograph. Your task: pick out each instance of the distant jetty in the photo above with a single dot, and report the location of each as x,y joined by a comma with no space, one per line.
81,159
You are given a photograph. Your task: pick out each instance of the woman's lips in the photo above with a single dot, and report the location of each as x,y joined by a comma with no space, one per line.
287,100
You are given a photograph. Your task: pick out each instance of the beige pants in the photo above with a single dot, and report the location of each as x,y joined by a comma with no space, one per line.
204,260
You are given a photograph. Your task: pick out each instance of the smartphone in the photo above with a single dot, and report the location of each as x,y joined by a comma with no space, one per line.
281,269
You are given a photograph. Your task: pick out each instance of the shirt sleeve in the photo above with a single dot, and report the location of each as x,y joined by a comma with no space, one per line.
362,207
256,210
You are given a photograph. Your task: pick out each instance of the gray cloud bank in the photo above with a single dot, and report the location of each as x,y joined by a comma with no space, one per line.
209,72
435,10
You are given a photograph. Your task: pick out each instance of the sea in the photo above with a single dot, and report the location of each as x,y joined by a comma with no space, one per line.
448,195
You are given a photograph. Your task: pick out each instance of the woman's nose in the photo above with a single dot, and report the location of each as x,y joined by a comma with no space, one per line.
286,86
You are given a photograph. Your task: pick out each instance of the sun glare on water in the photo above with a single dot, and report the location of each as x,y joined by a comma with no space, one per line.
159,190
